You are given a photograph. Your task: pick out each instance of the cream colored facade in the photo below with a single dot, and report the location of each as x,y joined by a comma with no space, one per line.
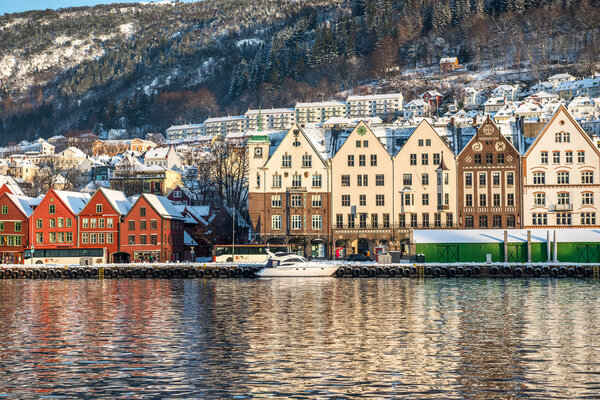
271,118
319,112
223,125
561,176
425,181
378,105
362,199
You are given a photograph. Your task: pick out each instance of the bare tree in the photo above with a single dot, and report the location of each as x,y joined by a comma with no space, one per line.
231,174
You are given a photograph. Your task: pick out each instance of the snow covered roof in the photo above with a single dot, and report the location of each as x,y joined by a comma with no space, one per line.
73,152
117,200
224,119
391,96
416,103
24,203
76,201
12,184
162,205
561,76
268,111
321,104
187,240
160,152
448,60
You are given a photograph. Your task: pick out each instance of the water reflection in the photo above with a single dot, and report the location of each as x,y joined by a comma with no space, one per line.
377,338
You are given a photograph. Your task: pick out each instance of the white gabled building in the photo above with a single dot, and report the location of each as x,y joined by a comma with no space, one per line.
416,108
561,172
557,79
582,107
163,156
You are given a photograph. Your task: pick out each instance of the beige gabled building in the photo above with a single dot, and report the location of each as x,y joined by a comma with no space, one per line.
288,193
561,172
362,198
425,182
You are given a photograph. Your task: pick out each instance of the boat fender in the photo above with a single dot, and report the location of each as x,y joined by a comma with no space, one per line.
494,270
562,271
379,270
518,272
29,274
143,273
437,272
121,272
107,273
413,270
386,270
36,273
451,272
587,272
136,272
1,274
444,270
571,272
506,269
177,273
340,272
208,272
57,274
193,272
44,274
392,272
238,271
545,270
348,271
80,272
554,272
200,273
468,272
529,270
428,270
537,272
67,273
364,271
94,272
128,273
372,272
476,270
579,270
460,270
356,272
407,272
87,274
223,271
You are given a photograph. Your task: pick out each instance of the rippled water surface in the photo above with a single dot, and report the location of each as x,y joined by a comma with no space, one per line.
304,338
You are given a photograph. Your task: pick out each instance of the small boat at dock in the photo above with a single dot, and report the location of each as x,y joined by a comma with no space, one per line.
293,265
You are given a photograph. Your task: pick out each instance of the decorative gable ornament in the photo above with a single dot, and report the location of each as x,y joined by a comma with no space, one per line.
361,130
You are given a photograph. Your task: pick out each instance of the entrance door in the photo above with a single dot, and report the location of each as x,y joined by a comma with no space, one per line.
516,253
587,253
363,247
447,254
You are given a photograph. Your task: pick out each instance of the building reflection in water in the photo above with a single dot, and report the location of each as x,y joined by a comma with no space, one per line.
378,338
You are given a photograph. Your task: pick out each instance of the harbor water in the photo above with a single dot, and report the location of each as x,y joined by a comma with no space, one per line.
302,338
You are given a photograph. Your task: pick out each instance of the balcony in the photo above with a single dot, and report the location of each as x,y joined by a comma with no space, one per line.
563,207
443,207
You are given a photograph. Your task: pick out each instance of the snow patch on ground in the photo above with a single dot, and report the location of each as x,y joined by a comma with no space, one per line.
249,42
157,3
127,29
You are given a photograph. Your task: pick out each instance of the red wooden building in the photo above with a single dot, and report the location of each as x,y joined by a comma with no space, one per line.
14,226
153,230
54,221
99,221
180,195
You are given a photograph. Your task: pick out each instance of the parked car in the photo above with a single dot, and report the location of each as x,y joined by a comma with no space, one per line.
358,257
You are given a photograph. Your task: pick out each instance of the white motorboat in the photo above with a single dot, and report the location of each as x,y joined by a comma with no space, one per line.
293,265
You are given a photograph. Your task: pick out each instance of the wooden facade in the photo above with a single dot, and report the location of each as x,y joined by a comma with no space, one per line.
489,181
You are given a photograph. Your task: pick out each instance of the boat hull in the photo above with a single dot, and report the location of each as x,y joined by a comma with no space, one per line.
297,271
